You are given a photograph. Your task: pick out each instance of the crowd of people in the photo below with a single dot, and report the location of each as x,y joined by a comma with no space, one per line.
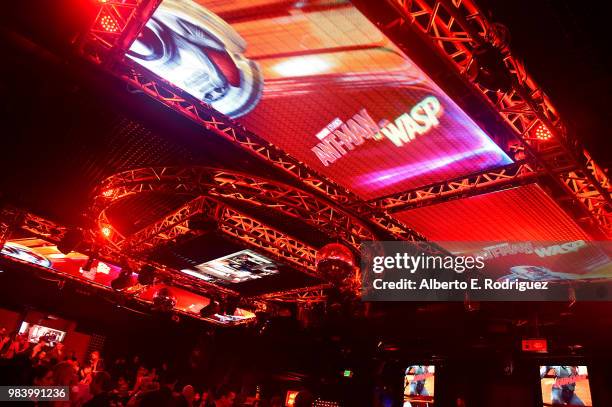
92,383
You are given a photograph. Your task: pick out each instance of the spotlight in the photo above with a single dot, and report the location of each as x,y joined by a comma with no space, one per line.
71,240
164,300
146,275
109,24
542,133
213,307
124,280
106,231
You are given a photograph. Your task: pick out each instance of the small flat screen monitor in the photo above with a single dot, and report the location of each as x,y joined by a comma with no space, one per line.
565,386
419,386
35,332
237,267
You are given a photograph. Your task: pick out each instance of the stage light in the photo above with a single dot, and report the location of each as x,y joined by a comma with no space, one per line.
109,24
543,133
71,240
106,231
164,300
124,280
489,70
108,193
146,275
213,307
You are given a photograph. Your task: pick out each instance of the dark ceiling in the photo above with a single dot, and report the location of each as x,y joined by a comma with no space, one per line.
565,45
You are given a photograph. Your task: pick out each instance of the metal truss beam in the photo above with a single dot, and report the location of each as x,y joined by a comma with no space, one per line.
232,222
232,186
455,29
235,186
53,232
306,295
462,187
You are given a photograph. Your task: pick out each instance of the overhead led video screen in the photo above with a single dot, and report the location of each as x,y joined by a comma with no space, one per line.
319,80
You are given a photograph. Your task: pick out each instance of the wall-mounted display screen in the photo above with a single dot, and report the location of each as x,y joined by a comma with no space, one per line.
319,80
35,332
565,386
419,386
237,267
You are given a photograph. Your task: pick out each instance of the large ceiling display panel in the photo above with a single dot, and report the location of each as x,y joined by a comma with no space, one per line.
319,80
517,214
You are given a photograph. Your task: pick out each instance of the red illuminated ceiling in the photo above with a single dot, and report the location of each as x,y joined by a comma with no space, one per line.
523,213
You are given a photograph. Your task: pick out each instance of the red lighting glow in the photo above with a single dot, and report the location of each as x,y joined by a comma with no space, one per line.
108,193
543,133
109,24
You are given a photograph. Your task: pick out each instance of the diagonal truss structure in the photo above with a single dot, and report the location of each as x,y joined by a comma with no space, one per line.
228,185
211,194
213,191
456,30
307,295
462,187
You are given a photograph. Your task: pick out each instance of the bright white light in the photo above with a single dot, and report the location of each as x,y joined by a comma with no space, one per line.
302,66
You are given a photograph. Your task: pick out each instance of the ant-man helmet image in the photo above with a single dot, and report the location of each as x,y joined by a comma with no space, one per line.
195,50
